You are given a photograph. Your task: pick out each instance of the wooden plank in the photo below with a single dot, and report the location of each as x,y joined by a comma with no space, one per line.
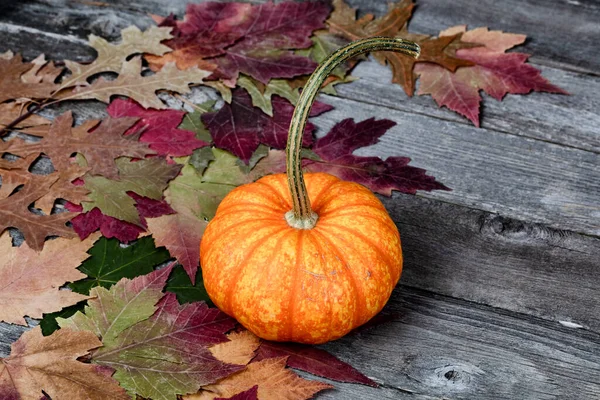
560,33
493,260
511,175
434,347
568,120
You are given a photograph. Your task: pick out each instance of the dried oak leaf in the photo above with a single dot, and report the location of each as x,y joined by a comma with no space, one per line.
159,128
110,56
43,71
148,337
433,50
251,39
35,125
148,177
64,189
14,174
13,87
15,213
240,348
274,380
131,83
88,222
240,127
31,280
100,146
49,364
195,197
314,360
382,176
494,71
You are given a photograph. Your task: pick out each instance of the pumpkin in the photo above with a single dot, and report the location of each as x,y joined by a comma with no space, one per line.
304,258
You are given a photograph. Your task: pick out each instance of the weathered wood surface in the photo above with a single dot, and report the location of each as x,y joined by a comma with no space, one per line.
505,260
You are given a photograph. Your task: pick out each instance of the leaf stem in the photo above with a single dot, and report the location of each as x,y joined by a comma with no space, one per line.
302,216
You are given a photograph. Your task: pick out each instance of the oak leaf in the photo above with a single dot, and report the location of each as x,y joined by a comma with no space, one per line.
261,94
275,382
31,280
49,364
110,57
148,177
494,71
13,87
251,39
240,128
433,50
142,89
159,128
240,348
35,125
100,146
146,342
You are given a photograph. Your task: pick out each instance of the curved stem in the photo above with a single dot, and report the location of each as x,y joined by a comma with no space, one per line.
301,216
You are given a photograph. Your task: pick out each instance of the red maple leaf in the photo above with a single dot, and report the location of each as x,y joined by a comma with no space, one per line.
496,72
253,39
86,223
240,127
159,128
381,176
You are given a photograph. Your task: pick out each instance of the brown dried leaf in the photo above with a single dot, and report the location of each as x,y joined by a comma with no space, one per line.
100,147
142,89
49,364
31,280
239,350
13,87
33,125
275,382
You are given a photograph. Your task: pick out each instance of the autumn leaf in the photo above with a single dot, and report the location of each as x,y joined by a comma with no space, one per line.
64,189
240,348
13,87
381,176
241,38
100,146
275,382
239,127
31,280
43,71
193,122
148,177
140,88
34,125
314,360
88,222
159,128
15,213
261,94
180,284
148,342
495,72
49,364
110,57
250,394
433,50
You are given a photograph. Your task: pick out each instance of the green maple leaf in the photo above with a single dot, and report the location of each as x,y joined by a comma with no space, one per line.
180,284
107,264
147,177
158,348
192,121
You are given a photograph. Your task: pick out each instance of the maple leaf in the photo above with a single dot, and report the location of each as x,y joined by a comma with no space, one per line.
148,342
142,89
238,350
49,364
381,176
251,39
35,125
179,283
158,127
193,122
275,382
240,128
111,56
433,50
108,263
495,72
261,94
31,280
14,212
314,360
13,87
99,147
88,222
147,177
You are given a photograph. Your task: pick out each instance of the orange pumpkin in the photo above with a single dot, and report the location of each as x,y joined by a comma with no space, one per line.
303,258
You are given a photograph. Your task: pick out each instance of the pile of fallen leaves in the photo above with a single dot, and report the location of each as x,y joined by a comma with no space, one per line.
124,312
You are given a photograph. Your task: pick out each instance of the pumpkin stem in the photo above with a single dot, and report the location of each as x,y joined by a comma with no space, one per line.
302,216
